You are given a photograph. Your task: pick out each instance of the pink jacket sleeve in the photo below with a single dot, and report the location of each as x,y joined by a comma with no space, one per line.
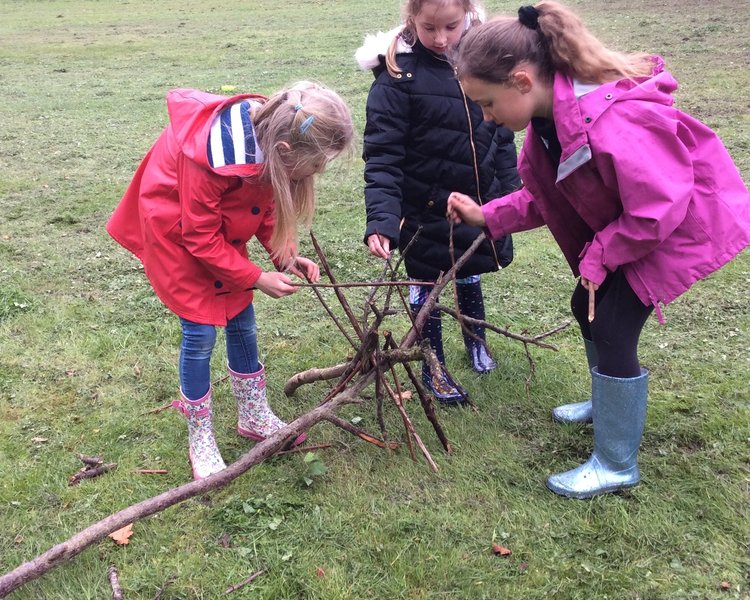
649,163
512,213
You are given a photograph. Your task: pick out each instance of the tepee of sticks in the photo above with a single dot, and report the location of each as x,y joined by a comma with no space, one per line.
373,363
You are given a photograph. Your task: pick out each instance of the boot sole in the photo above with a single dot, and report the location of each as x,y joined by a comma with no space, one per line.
585,496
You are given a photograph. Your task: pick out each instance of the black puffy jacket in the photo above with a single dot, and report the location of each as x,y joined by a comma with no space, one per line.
417,150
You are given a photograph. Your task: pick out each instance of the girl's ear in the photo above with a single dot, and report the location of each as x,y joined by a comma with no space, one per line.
284,150
522,81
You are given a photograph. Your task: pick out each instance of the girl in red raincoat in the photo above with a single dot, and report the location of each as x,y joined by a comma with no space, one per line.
226,169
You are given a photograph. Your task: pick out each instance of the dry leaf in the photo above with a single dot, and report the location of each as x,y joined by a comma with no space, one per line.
501,550
725,585
320,572
122,536
406,395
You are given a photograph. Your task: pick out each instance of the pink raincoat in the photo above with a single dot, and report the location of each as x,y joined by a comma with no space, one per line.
188,222
640,186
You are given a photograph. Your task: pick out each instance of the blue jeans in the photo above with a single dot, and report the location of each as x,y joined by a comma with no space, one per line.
198,343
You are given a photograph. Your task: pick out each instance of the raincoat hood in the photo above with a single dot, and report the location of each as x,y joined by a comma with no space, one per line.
193,113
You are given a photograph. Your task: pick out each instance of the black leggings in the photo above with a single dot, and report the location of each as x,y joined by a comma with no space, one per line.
619,319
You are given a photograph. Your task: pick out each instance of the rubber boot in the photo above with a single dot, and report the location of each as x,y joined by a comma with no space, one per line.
471,304
619,414
256,420
205,458
578,412
445,390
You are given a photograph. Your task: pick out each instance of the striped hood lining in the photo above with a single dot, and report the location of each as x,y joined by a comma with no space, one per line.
232,139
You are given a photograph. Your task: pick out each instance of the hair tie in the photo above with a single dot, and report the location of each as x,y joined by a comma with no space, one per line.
306,124
529,17
298,106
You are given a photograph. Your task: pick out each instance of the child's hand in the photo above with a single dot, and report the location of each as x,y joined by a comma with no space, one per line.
304,268
462,209
379,245
275,284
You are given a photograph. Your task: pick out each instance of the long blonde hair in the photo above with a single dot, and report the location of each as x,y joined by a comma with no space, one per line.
409,32
302,127
558,41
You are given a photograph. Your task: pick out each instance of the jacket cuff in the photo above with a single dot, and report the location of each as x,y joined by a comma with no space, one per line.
493,225
592,263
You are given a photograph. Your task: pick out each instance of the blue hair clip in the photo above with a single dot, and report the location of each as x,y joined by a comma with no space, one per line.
306,124
298,106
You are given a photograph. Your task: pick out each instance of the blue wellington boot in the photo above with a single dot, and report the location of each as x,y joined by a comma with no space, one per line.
619,414
578,412
445,390
471,304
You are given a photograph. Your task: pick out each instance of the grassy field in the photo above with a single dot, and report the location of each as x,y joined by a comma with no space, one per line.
86,350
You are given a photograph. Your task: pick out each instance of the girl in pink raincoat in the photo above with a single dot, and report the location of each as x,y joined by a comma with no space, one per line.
643,200
224,170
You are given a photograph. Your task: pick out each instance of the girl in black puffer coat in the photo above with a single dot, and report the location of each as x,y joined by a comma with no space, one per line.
423,140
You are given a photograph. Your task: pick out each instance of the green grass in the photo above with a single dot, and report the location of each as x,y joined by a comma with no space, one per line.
86,350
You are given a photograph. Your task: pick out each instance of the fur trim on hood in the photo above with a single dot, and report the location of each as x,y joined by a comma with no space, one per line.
369,53
375,46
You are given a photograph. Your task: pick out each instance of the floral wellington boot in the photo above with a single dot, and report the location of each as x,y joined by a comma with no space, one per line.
256,420
205,458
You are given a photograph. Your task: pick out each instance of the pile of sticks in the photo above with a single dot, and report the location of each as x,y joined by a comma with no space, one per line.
373,363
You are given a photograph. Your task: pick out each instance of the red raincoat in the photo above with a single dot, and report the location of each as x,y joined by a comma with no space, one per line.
189,222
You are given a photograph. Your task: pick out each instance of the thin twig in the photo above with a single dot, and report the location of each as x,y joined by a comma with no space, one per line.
304,449
356,284
441,282
114,582
234,588
90,472
410,427
170,579
424,398
536,340
360,433
91,461
339,295
334,318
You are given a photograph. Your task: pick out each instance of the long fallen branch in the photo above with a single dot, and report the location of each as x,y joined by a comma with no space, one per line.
70,548
67,550
369,365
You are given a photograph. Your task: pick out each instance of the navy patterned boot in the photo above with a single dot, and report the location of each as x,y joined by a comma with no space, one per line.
445,390
471,304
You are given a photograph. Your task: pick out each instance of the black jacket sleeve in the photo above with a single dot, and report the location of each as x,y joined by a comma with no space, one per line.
385,139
